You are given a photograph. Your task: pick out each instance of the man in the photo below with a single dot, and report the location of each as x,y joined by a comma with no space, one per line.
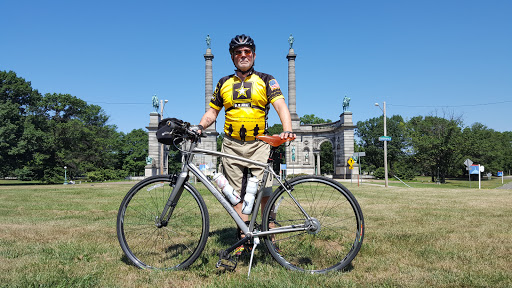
246,97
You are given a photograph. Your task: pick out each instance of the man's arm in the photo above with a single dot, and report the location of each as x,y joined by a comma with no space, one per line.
208,118
286,119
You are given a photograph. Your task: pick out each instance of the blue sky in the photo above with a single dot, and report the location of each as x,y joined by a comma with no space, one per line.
445,58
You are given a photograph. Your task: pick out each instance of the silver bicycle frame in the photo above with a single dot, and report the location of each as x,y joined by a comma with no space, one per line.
188,166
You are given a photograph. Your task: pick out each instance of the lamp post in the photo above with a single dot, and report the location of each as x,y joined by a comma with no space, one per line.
385,144
162,104
65,175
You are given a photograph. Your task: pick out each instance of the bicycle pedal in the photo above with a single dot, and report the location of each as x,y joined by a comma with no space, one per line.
228,264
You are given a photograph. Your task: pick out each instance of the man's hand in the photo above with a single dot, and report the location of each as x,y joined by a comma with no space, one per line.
287,134
198,129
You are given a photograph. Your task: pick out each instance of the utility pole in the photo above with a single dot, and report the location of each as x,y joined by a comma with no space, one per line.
385,144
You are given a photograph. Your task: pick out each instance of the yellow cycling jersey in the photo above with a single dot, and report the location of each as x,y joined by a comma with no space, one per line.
246,103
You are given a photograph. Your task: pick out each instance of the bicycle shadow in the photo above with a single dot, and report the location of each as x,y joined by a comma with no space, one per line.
224,236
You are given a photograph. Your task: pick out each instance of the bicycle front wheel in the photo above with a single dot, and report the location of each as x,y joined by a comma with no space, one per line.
150,245
329,239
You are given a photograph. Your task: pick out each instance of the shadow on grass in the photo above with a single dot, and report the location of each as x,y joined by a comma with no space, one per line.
127,261
226,236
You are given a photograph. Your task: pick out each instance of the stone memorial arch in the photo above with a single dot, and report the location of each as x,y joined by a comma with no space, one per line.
302,155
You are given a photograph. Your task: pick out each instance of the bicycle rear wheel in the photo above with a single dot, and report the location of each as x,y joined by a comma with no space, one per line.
172,246
335,232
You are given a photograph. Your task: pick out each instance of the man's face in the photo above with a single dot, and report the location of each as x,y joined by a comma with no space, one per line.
243,58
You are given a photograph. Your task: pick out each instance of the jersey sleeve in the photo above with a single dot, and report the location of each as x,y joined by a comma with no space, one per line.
217,101
273,89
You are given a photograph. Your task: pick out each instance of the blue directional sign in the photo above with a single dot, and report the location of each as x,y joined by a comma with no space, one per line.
473,169
500,173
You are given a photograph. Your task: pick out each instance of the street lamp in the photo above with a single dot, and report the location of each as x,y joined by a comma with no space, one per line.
65,175
385,144
162,104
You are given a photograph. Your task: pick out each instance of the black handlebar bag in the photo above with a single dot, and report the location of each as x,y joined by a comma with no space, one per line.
170,131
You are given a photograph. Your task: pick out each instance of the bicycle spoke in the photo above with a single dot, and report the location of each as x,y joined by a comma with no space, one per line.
150,243
328,241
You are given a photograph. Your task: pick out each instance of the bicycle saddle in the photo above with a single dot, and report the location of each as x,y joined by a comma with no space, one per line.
274,140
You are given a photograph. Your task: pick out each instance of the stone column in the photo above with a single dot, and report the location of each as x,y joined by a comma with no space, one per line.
153,145
208,87
319,171
292,104
210,142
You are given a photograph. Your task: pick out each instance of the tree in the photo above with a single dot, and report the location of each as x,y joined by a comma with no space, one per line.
312,119
327,158
369,132
436,143
17,98
133,151
79,136
486,147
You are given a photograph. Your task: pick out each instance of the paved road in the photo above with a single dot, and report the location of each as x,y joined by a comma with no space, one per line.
508,185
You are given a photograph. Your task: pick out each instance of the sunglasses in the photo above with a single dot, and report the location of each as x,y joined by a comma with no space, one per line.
248,52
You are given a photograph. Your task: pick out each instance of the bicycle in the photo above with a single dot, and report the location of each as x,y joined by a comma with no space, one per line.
310,223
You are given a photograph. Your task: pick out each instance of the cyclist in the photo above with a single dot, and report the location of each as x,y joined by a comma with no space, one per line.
246,96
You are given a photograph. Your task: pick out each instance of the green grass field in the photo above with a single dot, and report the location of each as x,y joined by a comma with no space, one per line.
430,235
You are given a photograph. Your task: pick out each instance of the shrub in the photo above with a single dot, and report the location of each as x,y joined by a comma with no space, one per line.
379,173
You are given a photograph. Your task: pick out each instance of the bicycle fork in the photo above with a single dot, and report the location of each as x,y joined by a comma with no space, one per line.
179,184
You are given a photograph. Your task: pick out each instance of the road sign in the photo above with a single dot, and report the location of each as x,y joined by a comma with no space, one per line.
468,162
359,154
473,169
350,161
500,173
385,138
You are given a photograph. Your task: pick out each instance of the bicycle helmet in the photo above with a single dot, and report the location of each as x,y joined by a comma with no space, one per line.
241,40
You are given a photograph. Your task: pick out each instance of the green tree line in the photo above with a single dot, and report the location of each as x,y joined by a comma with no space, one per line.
432,146
42,134
425,145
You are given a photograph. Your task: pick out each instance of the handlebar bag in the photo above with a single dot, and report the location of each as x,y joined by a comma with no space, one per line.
170,131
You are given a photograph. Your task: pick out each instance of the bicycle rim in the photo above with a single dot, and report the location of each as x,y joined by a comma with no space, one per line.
334,211
174,246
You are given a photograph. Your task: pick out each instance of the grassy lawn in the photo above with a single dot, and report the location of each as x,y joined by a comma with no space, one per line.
459,183
429,235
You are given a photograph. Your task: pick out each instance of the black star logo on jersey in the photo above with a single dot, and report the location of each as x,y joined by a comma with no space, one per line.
242,91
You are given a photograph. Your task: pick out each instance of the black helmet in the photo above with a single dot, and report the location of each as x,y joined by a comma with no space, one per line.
241,40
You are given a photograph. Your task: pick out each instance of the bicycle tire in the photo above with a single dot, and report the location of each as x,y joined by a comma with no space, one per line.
335,211
172,247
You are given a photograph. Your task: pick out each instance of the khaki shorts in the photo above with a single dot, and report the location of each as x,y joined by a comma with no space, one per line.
234,169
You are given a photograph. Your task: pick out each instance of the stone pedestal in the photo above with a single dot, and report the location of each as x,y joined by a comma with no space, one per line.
344,146
153,145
